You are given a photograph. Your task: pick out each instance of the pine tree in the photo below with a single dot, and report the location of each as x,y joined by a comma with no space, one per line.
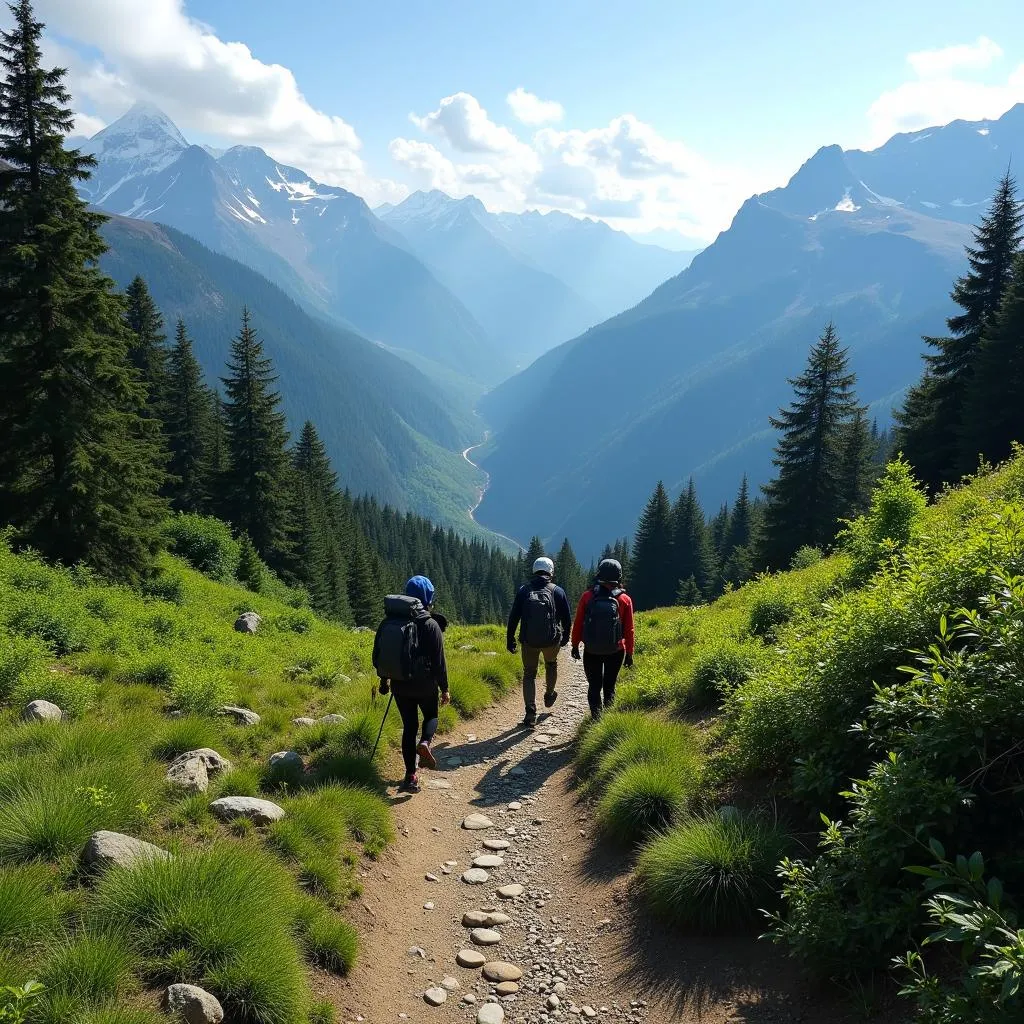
805,500
362,589
80,466
932,419
256,484
995,402
189,426
692,554
533,552
251,572
856,470
147,350
653,585
569,573
739,534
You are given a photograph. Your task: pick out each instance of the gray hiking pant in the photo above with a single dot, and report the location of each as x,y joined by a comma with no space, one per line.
531,662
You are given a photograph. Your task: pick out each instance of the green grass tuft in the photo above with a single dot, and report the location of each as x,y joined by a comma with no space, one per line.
28,908
91,968
643,799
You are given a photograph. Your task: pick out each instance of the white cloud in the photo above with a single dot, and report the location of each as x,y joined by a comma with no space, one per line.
530,109
970,56
205,84
624,172
86,125
947,85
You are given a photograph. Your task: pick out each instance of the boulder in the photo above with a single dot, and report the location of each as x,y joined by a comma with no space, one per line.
259,812
113,850
333,719
304,721
192,770
42,711
287,761
242,716
247,622
193,1005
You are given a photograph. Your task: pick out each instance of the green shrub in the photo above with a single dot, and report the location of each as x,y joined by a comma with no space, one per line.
20,656
121,1015
470,694
205,543
597,737
322,1013
646,740
805,557
330,941
771,611
93,968
200,692
642,799
73,694
717,670
251,572
714,872
28,908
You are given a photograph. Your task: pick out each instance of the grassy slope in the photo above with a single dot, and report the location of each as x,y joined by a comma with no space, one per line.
770,679
118,662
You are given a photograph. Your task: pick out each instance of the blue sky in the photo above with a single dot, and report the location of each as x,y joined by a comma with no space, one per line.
659,116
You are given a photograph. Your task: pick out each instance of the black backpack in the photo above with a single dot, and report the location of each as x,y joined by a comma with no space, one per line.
602,627
540,619
398,639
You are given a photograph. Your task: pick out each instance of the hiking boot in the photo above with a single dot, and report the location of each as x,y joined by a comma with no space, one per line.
550,697
410,784
530,720
426,757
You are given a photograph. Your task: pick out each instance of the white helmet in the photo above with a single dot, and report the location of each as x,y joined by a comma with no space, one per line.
544,565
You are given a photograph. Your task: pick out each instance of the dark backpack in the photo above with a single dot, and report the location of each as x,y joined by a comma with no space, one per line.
540,619
398,639
602,627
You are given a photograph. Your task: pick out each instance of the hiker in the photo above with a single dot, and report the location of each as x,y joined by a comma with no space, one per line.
541,610
604,623
408,654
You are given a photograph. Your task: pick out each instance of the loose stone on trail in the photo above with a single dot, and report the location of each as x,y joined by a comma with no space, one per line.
475,876
471,958
485,936
511,891
488,860
476,822
496,844
501,970
436,996
490,1013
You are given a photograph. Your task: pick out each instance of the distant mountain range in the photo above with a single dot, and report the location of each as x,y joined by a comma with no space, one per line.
388,430
684,382
440,281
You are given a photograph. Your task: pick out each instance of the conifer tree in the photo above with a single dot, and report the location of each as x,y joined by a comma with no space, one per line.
737,560
147,348
653,582
995,402
569,573
218,444
256,484
931,423
80,466
251,572
856,470
805,500
362,589
189,426
692,555
718,531
533,552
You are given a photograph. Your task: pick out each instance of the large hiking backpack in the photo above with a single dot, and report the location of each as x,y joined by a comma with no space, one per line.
540,619
398,639
602,627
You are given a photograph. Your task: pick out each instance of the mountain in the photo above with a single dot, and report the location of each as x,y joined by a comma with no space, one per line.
526,309
531,279
388,430
322,244
684,382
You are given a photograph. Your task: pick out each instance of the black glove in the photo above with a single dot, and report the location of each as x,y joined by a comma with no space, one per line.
575,653
511,647
629,661
385,687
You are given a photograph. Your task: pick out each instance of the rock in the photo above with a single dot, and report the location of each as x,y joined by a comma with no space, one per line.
483,919
287,761
470,958
242,716
451,984
488,860
510,892
496,844
431,878
436,996
111,849
429,905
515,806
260,812
191,771
333,719
247,622
305,722
361,629
475,876
41,711
490,1013
542,739
507,988
475,822
553,1002
439,784
485,936
469,998
589,1012
193,1005
501,970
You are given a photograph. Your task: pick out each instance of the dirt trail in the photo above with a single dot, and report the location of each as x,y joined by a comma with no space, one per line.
577,932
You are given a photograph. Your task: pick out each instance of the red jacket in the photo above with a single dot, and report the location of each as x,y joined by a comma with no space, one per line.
625,614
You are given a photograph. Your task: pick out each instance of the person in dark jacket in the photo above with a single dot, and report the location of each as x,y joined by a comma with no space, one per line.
555,621
420,694
602,669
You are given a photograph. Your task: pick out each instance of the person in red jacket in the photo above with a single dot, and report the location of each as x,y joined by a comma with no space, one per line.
604,625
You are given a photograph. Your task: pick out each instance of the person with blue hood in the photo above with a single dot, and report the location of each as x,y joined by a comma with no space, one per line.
408,655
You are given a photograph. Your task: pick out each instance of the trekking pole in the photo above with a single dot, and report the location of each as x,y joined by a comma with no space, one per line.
382,721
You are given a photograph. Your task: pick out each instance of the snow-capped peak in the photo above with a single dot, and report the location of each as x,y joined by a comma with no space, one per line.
144,137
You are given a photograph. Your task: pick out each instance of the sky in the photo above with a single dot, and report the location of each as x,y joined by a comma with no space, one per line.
659,116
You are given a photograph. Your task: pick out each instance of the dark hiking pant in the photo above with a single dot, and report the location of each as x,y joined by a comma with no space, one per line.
531,662
601,670
409,708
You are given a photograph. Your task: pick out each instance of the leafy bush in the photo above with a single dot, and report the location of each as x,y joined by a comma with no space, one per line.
200,691
61,623
805,557
19,657
771,611
205,543
714,872
718,669
642,799
73,694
